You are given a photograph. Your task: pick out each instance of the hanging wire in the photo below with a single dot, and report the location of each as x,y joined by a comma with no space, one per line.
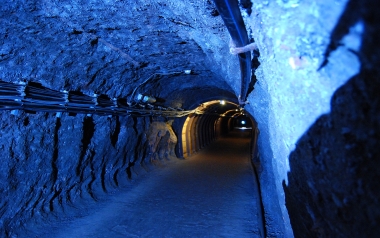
35,97
153,76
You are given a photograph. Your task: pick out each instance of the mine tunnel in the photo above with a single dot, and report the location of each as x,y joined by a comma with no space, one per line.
224,118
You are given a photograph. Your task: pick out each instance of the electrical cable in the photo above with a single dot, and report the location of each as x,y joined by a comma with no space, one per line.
36,98
230,13
132,97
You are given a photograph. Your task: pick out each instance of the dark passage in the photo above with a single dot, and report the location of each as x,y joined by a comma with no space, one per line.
211,194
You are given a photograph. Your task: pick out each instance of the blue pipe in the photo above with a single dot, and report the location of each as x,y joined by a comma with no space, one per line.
230,13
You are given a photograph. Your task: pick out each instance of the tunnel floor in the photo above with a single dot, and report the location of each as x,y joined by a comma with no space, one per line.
211,194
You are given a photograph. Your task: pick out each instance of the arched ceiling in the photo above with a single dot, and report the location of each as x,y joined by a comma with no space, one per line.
218,107
111,47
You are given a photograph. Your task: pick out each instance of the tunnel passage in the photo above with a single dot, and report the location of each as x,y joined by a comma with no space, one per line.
114,48
211,120
212,193
201,128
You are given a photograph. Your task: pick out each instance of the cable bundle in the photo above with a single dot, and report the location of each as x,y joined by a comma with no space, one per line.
36,98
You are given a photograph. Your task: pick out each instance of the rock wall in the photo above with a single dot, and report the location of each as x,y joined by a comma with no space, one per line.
161,141
334,167
52,164
317,115
333,189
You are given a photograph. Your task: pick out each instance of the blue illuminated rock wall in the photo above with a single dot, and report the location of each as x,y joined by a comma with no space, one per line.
54,165
291,93
318,128
317,124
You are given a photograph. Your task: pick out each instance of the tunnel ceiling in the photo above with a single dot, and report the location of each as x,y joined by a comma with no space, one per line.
111,47
218,107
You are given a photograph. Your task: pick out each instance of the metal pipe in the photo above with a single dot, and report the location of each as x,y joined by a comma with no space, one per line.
230,13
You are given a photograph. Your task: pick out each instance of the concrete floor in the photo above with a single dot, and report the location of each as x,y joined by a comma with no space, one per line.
211,194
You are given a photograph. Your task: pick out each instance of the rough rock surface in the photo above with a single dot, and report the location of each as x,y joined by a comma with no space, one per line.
51,163
161,140
327,116
333,188
108,47
295,38
210,194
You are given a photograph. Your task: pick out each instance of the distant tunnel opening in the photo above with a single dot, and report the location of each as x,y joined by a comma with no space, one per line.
214,119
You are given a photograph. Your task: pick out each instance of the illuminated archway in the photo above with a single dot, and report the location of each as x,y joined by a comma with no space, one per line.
204,125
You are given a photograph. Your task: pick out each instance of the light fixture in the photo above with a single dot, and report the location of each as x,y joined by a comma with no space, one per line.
146,99
222,102
243,122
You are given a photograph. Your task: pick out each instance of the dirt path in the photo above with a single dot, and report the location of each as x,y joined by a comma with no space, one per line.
211,194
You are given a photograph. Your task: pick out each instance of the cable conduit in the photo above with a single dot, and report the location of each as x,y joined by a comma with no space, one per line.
33,97
230,13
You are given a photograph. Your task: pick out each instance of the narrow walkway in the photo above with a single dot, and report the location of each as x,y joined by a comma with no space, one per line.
210,194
